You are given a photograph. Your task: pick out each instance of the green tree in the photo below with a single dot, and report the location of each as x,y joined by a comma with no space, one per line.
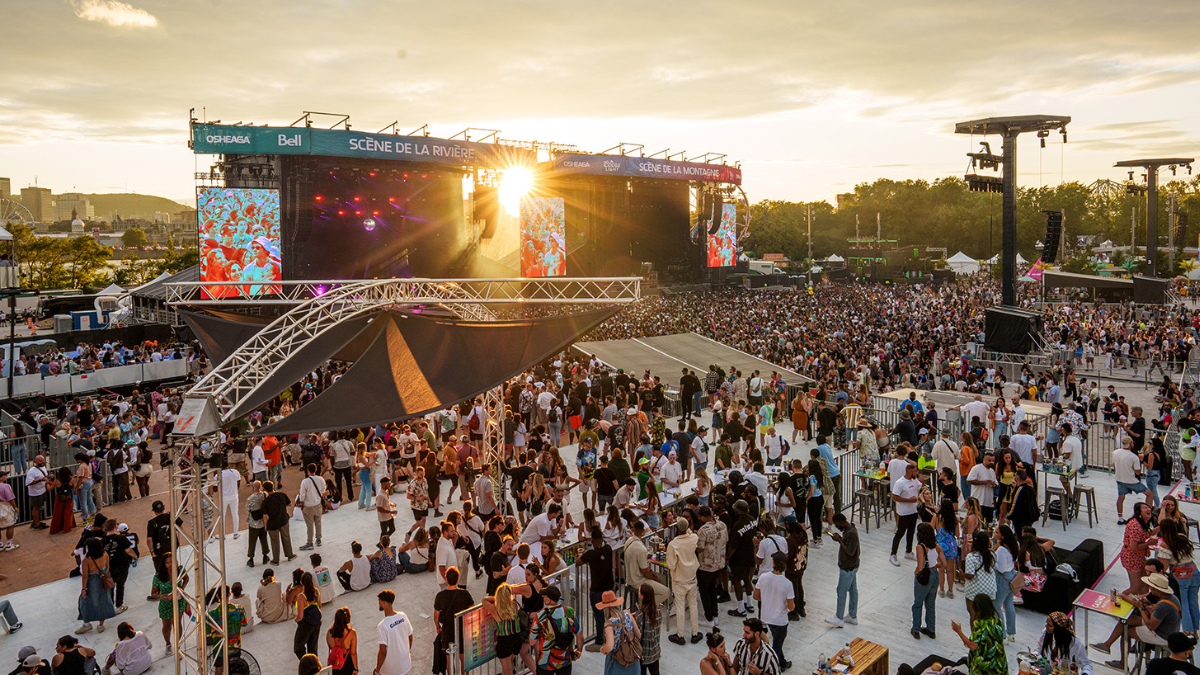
134,237
132,271
87,262
174,261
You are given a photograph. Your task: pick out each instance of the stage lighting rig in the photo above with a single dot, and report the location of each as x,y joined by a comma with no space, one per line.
1151,191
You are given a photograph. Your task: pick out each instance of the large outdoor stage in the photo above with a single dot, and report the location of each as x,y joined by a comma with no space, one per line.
668,354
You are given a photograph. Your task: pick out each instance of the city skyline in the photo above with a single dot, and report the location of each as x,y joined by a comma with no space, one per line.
810,99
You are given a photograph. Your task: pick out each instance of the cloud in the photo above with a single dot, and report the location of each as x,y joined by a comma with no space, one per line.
114,13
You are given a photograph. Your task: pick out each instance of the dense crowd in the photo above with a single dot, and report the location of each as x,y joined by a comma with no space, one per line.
87,358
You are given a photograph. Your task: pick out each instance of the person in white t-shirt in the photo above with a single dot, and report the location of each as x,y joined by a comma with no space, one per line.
905,493
771,544
982,479
778,597
1072,453
671,473
542,527
258,461
1024,444
1127,469
446,557
395,639
774,443
227,484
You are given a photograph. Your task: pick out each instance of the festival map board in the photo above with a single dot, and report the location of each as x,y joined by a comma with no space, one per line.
543,237
478,639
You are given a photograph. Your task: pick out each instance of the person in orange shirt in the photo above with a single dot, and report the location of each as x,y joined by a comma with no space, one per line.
968,457
270,446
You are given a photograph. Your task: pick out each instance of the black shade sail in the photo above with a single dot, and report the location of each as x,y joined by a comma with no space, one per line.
221,333
418,364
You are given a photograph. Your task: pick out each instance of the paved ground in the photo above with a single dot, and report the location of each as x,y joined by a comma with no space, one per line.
47,602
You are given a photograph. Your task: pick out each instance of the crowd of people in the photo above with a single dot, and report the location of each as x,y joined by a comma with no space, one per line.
742,536
87,358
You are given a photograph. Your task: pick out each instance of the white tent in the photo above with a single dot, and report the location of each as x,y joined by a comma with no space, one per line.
961,263
1020,260
835,258
112,289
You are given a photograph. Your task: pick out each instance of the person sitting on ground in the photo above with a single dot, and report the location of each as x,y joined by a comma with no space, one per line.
269,604
131,656
355,573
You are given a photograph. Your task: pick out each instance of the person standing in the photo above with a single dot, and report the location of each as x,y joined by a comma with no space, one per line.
8,513
275,507
228,482
986,642
385,508
599,559
342,641
121,554
616,622
778,599
342,452
683,565
365,461
1128,468
395,639
259,465
95,601
256,522
849,556
308,617
447,604
83,485
797,542
312,502
904,494
37,484
751,653
925,581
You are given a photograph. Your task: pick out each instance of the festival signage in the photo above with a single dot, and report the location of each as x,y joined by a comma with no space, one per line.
218,139
645,167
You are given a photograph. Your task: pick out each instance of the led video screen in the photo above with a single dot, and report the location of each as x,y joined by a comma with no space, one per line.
543,237
239,239
722,246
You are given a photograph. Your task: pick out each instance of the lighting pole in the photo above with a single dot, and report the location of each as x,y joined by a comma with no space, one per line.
1009,128
1151,166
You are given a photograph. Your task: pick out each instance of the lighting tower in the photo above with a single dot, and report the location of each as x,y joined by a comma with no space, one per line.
1009,128
1151,166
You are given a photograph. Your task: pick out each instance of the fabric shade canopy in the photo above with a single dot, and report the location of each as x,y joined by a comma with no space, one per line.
416,364
962,263
1055,279
221,333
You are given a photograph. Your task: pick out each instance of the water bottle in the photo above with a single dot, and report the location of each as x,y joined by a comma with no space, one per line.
849,657
822,663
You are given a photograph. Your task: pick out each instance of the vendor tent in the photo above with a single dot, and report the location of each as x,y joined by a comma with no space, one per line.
961,263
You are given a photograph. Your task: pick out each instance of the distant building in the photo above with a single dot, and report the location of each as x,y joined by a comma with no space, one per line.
5,188
71,205
40,203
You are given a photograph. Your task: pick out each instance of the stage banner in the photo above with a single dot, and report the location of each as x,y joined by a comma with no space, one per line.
216,139
645,167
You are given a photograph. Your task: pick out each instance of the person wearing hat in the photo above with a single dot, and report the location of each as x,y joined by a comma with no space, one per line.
263,267
1058,642
554,619
30,663
1181,646
158,532
617,620
1156,618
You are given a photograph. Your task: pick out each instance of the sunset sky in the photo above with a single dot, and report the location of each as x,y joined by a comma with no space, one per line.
811,97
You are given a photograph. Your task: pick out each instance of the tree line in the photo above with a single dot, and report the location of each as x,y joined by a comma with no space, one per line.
49,263
945,213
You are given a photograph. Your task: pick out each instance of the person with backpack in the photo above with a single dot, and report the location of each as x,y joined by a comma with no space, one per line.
622,638
555,634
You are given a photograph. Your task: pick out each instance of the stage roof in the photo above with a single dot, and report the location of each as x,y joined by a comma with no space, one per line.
666,355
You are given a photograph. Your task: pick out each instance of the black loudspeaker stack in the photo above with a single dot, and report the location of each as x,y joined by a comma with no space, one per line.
1054,222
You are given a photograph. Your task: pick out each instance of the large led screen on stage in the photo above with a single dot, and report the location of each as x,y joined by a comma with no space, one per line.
722,246
239,239
543,237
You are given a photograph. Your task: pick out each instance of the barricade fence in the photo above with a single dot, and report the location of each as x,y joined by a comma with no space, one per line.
65,385
58,454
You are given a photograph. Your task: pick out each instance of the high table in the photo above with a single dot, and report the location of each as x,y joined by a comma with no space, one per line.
1072,476
1100,603
869,658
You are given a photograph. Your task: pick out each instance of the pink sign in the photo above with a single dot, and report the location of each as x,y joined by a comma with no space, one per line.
1102,603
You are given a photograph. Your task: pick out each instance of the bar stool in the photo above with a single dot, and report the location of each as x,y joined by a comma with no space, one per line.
1064,507
864,505
1088,491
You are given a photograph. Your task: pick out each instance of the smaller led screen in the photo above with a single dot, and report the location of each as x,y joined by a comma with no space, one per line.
543,237
722,246
239,239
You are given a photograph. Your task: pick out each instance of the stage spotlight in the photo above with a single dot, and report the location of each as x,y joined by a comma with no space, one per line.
369,224
515,184
341,212
358,199
318,197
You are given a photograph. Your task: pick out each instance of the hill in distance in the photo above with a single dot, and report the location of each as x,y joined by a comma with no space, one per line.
129,204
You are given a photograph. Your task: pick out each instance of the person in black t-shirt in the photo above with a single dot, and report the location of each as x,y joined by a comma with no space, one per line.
1181,646
519,475
446,605
606,484
741,555
120,554
599,559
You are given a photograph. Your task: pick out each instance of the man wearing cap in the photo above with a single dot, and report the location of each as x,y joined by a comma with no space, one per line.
671,473
741,555
37,482
262,267
31,663
552,620
1156,618
158,532
1179,661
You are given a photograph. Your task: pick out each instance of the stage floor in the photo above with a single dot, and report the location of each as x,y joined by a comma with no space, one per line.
666,355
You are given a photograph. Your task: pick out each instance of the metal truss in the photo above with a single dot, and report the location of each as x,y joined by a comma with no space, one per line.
482,291
239,376
197,518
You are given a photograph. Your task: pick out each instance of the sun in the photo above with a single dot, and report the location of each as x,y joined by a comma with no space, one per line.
514,185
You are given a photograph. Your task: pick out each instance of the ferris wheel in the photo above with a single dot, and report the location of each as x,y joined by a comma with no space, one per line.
14,213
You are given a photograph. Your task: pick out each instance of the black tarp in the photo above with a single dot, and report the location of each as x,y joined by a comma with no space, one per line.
419,364
1148,291
1010,330
221,333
